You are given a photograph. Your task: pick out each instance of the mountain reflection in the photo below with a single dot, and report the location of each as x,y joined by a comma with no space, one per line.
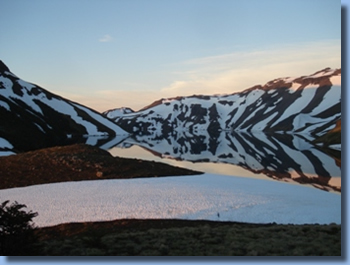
285,157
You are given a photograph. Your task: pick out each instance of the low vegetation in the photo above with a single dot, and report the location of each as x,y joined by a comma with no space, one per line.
188,238
162,237
16,229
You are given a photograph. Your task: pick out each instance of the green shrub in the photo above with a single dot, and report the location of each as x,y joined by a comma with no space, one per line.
16,229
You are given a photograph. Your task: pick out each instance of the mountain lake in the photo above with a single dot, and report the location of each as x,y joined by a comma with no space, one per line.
254,178
279,157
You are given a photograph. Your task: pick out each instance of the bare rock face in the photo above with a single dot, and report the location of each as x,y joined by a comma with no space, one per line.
3,67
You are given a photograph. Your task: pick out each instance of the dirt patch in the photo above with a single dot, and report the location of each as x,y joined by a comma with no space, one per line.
77,162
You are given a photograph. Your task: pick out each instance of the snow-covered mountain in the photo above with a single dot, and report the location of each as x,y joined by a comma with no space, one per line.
32,117
306,105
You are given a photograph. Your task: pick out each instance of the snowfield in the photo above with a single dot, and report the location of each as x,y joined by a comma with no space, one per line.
208,196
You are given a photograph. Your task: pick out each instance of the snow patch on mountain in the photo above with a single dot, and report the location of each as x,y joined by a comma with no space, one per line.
5,147
5,144
4,105
117,112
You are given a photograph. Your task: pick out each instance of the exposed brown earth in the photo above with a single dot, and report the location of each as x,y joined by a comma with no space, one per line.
77,162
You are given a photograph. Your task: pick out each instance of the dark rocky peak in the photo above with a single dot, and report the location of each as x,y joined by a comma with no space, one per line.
323,71
321,77
155,103
327,72
161,101
3,67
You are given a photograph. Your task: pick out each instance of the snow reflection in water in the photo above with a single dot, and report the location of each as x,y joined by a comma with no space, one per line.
286,157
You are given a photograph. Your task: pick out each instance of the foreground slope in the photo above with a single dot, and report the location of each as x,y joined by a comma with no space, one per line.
32,117
307,105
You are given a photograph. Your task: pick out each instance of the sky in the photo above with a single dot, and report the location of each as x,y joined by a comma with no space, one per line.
107,54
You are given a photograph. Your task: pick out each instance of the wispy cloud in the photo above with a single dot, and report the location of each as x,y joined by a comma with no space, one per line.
221,74
106,38
229,73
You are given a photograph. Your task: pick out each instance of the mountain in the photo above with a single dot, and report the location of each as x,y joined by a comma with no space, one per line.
32,117
308,105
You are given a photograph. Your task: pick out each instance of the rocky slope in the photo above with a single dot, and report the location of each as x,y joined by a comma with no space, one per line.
305,105
32,117
77,162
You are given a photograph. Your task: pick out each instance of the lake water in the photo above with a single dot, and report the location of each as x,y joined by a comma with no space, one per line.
283,157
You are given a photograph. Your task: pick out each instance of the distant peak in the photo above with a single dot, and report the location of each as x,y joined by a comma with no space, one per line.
3,67
326,70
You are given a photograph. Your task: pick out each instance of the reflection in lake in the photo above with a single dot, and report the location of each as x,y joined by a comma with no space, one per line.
285,157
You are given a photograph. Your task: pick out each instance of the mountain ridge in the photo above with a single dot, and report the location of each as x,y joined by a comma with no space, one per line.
33,118
308,104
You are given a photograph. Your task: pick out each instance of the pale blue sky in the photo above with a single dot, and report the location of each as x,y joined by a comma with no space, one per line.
113,53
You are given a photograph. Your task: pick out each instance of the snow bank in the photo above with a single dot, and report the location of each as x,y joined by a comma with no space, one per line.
191,197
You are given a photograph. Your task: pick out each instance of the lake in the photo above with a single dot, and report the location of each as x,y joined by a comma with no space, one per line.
284,157
257,178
